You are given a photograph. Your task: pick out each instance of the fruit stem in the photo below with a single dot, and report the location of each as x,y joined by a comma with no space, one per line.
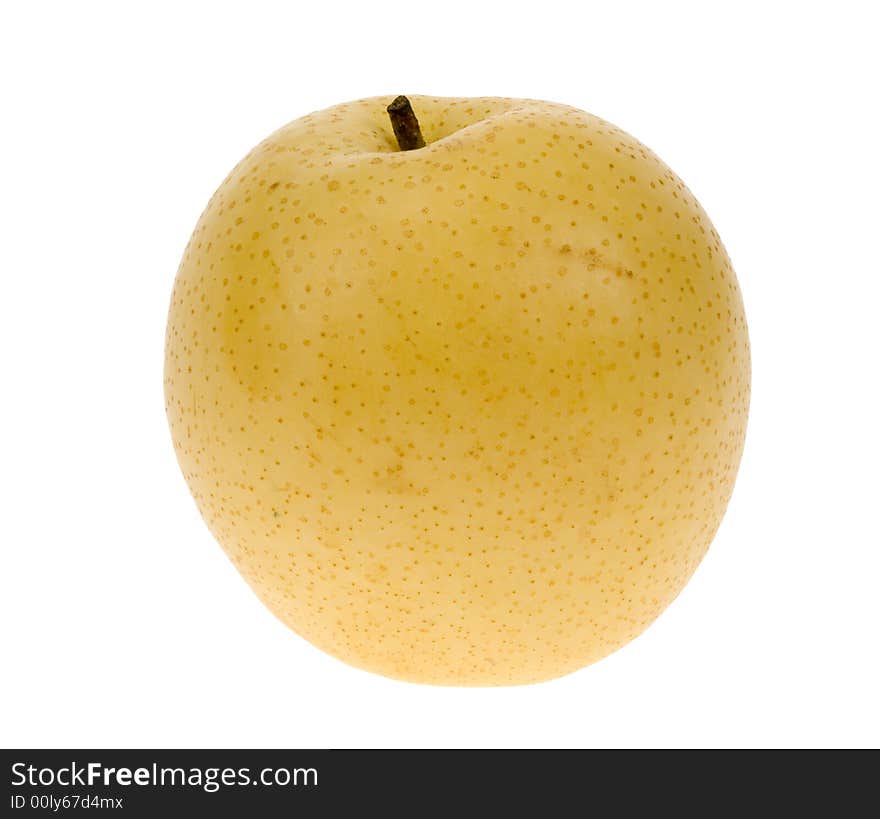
405,125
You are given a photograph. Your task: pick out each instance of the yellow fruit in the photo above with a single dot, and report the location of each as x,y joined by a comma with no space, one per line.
468,414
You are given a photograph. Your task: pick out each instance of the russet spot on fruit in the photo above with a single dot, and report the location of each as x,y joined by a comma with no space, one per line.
464,414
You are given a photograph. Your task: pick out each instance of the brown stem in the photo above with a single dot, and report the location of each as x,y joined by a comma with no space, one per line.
405,125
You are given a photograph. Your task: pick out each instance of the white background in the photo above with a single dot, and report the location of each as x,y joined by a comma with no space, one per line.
122,622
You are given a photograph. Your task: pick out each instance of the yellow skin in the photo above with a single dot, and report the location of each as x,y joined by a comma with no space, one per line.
469,414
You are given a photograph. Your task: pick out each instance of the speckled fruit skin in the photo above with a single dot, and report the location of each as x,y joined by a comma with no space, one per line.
464,415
